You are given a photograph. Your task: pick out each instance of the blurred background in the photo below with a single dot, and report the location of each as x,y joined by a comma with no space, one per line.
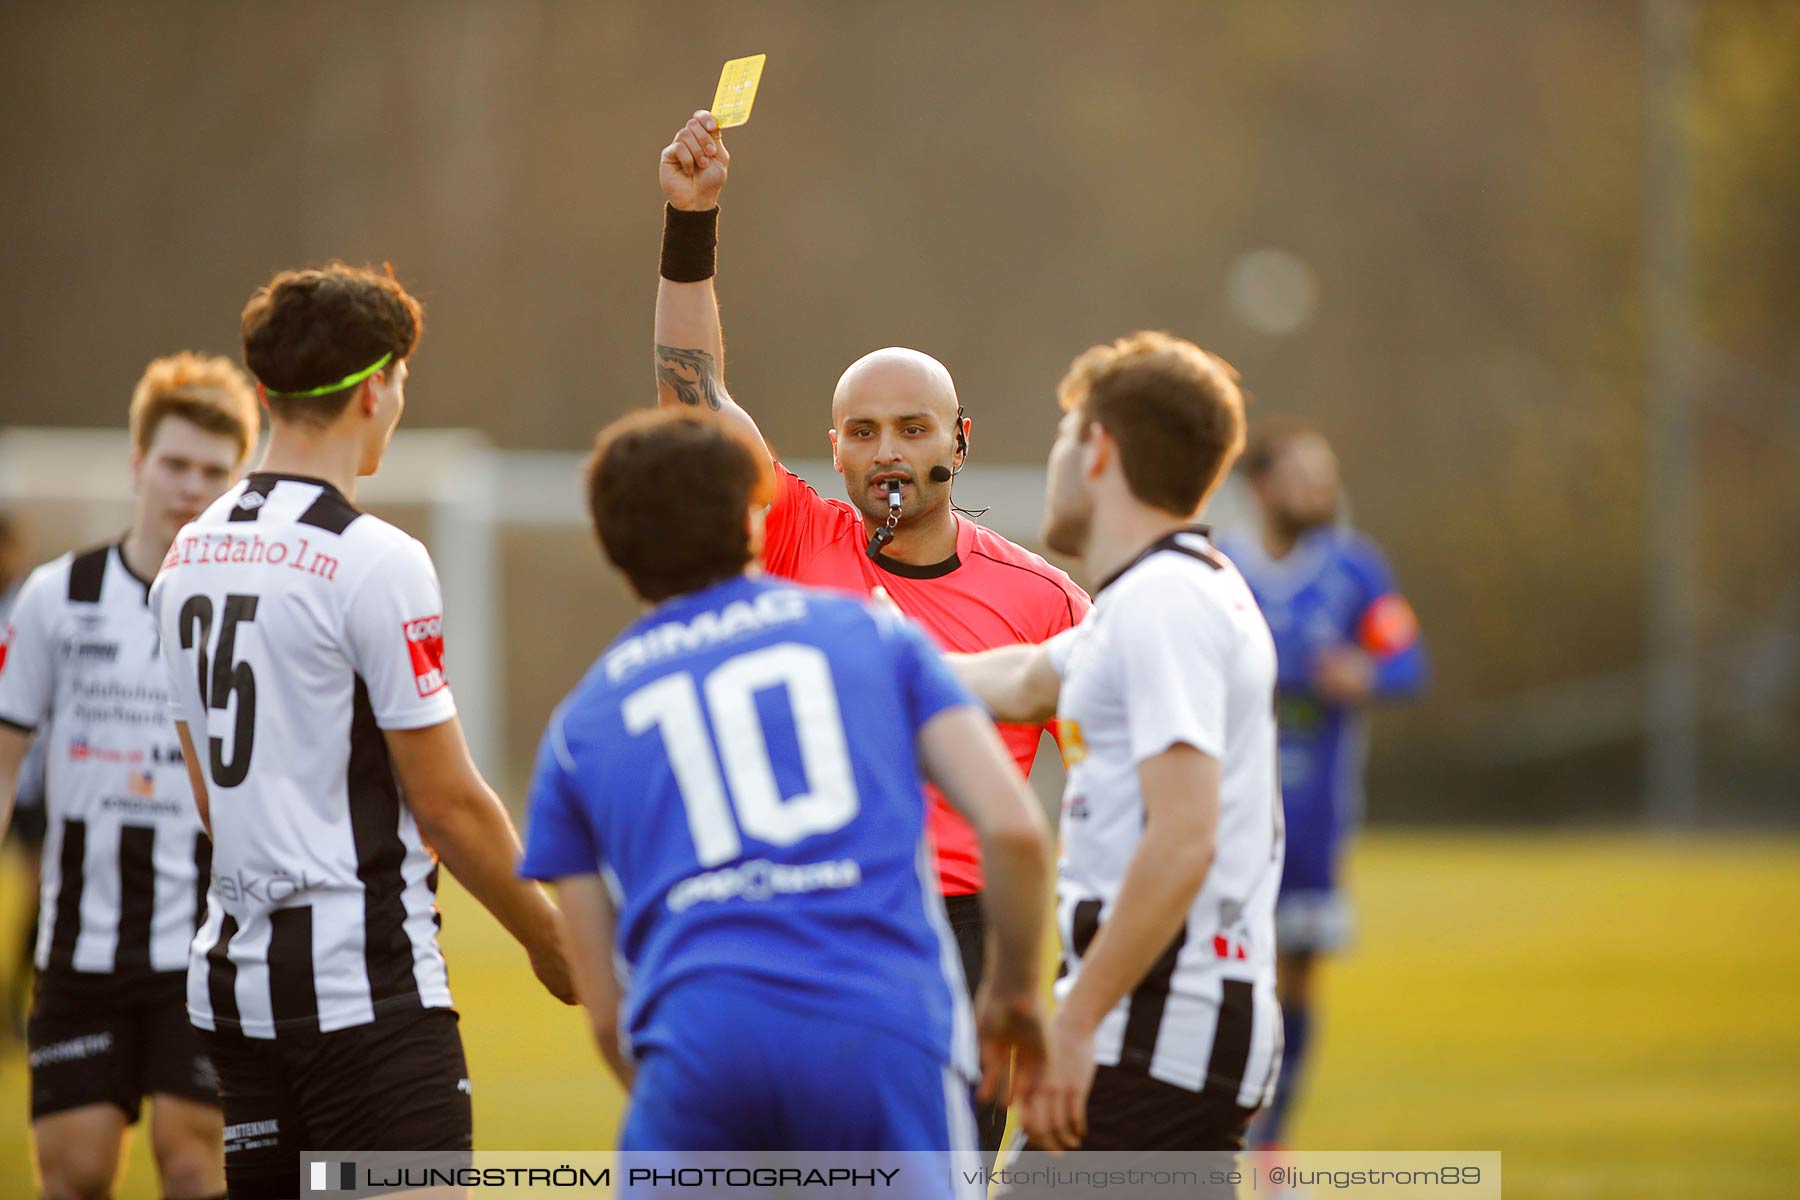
1534,268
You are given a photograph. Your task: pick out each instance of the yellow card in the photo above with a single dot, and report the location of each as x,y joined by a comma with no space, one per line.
737,90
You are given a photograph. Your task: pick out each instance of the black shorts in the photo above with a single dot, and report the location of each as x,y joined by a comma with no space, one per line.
28,827
397,1083
1151,1126
109,1039
968,922
1128,1110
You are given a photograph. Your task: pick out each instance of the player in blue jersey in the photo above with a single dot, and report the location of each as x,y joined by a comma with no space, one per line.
1344,638
731,801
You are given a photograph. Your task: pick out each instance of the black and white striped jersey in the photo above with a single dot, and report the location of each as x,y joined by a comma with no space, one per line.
295,629
1176,652
125,858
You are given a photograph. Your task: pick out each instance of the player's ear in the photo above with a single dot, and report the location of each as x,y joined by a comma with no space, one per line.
1098,451
835,464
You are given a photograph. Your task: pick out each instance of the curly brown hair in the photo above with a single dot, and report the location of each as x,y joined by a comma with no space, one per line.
1174,409
669,492
212,393
304,329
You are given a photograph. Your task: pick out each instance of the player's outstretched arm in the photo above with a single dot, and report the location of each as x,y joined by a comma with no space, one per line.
690,343
467,825
1019,684
964,757
588,909
13,745
1181,819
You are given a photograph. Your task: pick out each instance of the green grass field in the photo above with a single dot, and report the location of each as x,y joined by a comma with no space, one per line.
1618,1015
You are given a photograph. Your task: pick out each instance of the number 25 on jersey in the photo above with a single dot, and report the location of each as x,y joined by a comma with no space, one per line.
225,678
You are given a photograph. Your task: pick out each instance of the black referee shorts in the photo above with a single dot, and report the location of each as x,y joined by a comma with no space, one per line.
397,1083
969,923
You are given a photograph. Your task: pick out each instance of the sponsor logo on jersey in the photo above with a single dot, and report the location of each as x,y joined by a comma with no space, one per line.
254,550
740,618
80,749
151,807
761,879
1233,939
140,783
92,651
425,642
250,501
1224,947
1068,740
278,888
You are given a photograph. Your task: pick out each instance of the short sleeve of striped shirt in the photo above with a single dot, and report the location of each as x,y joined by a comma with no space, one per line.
27,656
396,634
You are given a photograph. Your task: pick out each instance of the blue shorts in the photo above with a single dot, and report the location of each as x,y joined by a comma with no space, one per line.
1315,840
1310,865
1313,922
1311,914
727,1069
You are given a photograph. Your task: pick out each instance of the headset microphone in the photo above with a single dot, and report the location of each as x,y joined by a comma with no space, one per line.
942,474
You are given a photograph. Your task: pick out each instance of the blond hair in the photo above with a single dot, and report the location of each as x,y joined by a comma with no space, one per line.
212,393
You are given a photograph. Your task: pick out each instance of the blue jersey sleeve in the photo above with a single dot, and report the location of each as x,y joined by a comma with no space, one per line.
559,838
927,685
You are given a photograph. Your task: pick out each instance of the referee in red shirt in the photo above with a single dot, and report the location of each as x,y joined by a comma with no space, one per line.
898,437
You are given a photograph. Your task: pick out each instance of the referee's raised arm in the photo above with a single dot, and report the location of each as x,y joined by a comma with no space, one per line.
690,346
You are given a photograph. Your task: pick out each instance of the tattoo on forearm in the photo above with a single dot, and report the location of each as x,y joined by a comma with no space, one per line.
690,374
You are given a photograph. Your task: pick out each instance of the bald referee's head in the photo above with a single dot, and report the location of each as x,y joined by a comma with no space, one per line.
895,371
894,416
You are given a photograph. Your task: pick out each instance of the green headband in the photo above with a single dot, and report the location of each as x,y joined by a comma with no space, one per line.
340,385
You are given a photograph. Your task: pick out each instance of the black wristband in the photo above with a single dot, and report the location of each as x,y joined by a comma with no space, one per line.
690,244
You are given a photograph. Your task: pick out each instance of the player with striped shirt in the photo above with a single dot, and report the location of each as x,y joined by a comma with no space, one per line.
304,643
25,836
125,861
1167,1036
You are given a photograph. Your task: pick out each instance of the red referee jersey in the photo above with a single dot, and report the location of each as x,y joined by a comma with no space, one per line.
989,593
